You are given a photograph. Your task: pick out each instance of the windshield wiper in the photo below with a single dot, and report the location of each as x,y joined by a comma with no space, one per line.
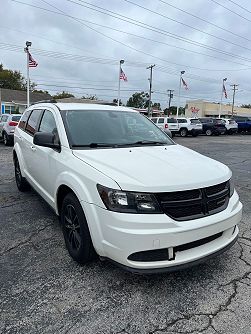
94,145
148,142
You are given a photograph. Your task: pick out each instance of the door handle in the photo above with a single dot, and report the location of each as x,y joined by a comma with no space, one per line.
33,148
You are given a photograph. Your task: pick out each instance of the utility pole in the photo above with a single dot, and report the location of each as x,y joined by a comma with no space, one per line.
150,88
120,63
178,106
234,89
28,44
223,90
170,91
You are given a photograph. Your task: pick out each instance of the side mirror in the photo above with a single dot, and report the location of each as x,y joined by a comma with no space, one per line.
46,139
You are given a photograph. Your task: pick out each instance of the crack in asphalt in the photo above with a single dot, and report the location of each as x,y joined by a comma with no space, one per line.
24,242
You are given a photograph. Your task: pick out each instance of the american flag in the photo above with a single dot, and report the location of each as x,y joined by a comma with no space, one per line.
224,90
122,75
184,83
32,62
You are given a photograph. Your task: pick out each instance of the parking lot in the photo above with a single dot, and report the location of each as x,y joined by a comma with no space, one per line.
44,291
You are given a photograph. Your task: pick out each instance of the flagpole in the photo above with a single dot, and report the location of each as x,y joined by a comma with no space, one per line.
120,62
28,73
178,106
225,79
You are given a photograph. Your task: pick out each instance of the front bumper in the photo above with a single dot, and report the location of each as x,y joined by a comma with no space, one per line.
121,235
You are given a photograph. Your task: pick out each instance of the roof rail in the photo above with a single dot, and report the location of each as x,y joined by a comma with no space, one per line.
44,101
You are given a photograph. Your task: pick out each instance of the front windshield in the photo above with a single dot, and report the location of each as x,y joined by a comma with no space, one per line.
111,127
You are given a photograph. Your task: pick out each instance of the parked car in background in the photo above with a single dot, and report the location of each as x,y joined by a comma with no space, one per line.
212,126
189,126
231,125
134,197
8,122
167,123
244,123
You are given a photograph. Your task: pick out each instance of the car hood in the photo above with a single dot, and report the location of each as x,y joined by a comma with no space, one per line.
156,168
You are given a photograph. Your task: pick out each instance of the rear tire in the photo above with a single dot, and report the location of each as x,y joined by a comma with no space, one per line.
6,139
21,182
75,230
209,132
183,132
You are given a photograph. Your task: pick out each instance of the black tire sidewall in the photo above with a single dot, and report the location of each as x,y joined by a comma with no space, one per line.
86,252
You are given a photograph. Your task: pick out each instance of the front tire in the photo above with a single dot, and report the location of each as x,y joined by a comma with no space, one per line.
75,230
21,182
209,132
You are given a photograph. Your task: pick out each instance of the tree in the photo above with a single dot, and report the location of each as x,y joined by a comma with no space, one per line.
40,91
90,97
116,102
246,106
138,100
156,106
63,95
173,111
12,79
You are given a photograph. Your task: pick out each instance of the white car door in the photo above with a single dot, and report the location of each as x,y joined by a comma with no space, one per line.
26,141
44,163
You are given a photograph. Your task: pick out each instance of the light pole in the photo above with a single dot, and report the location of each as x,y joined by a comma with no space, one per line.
120,63
178,106
222,90
150,88
28,44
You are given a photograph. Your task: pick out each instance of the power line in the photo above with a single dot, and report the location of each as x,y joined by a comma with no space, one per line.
230,10
208,22
163,32
145,26
240,6
182,23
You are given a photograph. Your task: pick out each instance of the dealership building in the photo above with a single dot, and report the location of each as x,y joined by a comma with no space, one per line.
201,108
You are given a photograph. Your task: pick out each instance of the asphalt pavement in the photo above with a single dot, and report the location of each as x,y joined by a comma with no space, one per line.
42,290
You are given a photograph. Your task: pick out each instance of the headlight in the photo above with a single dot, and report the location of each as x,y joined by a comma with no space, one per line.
128,202
231,187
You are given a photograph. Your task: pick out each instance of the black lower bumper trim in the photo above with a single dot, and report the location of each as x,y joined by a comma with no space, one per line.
176,267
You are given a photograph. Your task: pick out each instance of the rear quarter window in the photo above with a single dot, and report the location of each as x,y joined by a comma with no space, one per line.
24,119
33,122
161,120
16,118
172,120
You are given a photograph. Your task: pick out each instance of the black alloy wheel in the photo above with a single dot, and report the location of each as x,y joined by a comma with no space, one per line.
75,229
21,182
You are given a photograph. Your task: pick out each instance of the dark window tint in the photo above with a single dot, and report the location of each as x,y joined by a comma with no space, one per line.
182,120
195,121
154,120
172,120
48,124
33,120
23,119
4,118
161,120
16,118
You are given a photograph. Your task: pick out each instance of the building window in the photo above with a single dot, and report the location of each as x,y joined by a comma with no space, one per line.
10,109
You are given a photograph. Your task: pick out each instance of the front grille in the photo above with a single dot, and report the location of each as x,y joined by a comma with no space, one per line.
196,203
162,254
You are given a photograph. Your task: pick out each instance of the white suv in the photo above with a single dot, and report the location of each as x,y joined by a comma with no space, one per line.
123,189
166,124
231,125
189,126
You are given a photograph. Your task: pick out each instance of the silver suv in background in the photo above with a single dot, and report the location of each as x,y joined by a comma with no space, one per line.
8,122
167,123
189,126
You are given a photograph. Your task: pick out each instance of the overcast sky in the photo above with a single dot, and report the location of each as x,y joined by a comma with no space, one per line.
86,55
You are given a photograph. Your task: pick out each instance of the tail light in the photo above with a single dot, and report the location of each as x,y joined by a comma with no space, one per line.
12,123
166,126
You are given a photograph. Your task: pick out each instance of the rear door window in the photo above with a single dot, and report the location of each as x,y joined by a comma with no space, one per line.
33,121
160,120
